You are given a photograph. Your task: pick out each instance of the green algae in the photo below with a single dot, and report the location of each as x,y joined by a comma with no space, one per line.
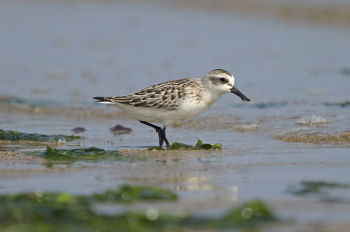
10,100
207,146
44,211
341,104
41,212
199,146
315,187
86,154
127,193
250,213
10,135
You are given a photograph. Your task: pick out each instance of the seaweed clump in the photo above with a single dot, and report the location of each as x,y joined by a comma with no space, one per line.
41,212
92,153
341,104
10,135
44,211
127,193
315,187
199,146
249,214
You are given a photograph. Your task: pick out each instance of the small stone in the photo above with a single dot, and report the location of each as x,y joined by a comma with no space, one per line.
78,130
119,130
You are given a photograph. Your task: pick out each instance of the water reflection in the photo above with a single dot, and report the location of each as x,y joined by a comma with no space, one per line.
190,183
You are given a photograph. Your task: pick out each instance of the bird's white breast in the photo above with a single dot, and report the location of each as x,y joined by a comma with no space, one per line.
194,105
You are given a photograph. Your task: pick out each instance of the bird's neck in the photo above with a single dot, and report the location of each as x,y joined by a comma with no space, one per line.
213,96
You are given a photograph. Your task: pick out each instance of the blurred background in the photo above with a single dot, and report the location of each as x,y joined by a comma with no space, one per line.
70,51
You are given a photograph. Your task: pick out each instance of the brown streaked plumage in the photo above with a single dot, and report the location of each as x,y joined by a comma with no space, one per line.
167,95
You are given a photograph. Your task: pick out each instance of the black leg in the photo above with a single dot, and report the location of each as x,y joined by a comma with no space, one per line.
161,140
164,137
160,132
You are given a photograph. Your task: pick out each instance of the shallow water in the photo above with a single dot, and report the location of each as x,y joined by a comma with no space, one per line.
57,55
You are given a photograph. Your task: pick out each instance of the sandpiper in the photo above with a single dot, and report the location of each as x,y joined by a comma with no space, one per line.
171,101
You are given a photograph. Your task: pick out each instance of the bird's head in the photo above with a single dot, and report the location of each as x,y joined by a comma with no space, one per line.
223,81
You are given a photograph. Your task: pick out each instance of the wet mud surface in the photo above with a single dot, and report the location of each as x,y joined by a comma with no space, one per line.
293,135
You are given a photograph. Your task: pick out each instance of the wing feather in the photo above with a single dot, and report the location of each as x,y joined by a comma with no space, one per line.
167,95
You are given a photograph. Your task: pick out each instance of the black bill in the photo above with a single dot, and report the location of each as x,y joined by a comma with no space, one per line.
239,94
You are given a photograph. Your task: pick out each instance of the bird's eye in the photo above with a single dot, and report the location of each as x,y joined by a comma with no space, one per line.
223,80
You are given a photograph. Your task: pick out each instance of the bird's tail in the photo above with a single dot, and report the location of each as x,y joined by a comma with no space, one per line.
104,100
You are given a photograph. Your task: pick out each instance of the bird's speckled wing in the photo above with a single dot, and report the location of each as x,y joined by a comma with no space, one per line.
167,95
